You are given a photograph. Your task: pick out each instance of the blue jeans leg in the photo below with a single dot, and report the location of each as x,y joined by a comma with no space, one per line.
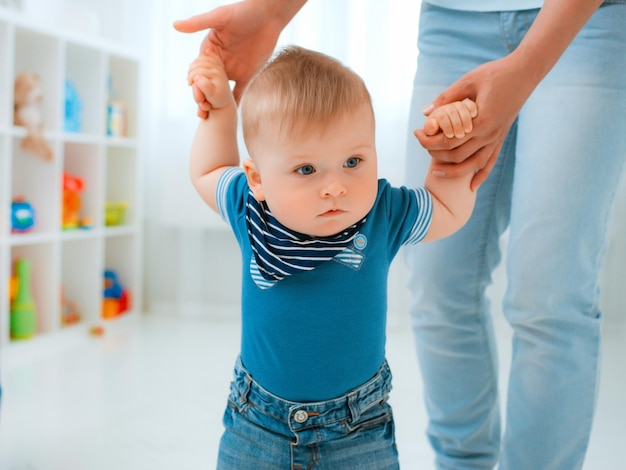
570,156
554,183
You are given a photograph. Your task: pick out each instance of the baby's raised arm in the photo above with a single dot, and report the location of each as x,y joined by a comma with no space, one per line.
214,147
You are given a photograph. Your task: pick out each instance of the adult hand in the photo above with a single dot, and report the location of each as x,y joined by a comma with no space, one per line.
243,35
499,88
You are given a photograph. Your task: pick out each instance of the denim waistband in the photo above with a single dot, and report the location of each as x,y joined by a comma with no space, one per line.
294,417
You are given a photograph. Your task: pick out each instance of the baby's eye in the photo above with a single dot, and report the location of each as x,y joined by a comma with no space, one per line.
352,162
305,170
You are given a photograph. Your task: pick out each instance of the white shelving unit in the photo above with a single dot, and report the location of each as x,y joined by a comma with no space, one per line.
72,261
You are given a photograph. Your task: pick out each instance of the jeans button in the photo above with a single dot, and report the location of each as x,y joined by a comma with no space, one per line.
300,416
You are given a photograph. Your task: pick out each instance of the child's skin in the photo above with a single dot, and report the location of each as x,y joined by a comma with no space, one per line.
454,120
321,179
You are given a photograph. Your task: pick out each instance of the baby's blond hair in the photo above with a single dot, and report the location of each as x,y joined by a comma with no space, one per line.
300,88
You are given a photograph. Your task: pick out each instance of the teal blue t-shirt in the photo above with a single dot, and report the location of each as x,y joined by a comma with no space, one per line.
316,335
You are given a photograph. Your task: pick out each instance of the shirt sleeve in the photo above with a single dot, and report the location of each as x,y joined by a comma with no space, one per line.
408,211
228,199
424,216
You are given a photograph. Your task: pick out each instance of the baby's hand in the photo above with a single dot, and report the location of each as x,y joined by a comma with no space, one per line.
210,84
453,119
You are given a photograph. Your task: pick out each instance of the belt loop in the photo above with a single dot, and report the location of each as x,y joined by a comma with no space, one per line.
245,389
241,385
353,406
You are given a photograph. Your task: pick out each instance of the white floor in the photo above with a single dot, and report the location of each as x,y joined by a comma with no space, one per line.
151,397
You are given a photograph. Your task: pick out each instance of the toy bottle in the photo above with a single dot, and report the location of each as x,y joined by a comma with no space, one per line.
23,311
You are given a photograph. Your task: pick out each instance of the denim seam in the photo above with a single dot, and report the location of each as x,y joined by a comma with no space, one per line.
482,266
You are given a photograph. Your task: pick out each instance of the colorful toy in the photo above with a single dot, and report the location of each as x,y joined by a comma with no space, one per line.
115,212
22,216
73,108
27,98
23,311
70,310
117,114
116,299
116,119
72,187
96,330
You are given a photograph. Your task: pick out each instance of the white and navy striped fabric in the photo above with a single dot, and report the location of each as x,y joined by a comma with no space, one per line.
422,224
280,252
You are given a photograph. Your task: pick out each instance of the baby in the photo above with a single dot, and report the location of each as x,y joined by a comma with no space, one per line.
317,231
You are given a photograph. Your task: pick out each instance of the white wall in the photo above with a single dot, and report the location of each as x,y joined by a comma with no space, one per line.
121,21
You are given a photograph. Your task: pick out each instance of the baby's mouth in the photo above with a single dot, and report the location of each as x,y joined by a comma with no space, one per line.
332,212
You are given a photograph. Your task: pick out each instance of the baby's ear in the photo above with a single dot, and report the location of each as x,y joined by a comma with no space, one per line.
254,179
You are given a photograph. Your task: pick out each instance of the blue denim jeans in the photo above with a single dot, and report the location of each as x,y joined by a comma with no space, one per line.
553,188
264,432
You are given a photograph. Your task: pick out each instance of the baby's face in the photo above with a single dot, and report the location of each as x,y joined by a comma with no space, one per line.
323,180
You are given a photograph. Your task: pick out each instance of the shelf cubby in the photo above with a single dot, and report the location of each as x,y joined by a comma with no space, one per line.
37,182
123,80
121,170
81,283
40,53
82,161
120,256
85,71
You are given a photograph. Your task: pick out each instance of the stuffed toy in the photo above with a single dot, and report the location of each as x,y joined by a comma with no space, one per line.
27,112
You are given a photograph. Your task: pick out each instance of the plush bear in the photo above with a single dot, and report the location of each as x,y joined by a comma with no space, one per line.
27,112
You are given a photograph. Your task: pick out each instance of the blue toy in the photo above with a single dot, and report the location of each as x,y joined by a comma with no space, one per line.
112,286
73,108
116,299
22,216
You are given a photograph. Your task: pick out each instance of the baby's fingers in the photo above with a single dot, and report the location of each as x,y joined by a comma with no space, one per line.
431,126
455,119
448,120
471,106
461,119
200,98
209,66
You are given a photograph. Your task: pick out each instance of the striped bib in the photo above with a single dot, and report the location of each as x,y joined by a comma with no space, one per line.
280,251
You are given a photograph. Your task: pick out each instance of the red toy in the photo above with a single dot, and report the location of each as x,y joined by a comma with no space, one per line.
72,187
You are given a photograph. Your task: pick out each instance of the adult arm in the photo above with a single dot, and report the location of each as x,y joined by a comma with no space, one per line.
500,89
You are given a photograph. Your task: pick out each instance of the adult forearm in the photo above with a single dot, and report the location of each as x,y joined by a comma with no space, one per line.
555,27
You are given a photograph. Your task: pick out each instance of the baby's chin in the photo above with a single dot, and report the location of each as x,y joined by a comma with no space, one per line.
331,229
